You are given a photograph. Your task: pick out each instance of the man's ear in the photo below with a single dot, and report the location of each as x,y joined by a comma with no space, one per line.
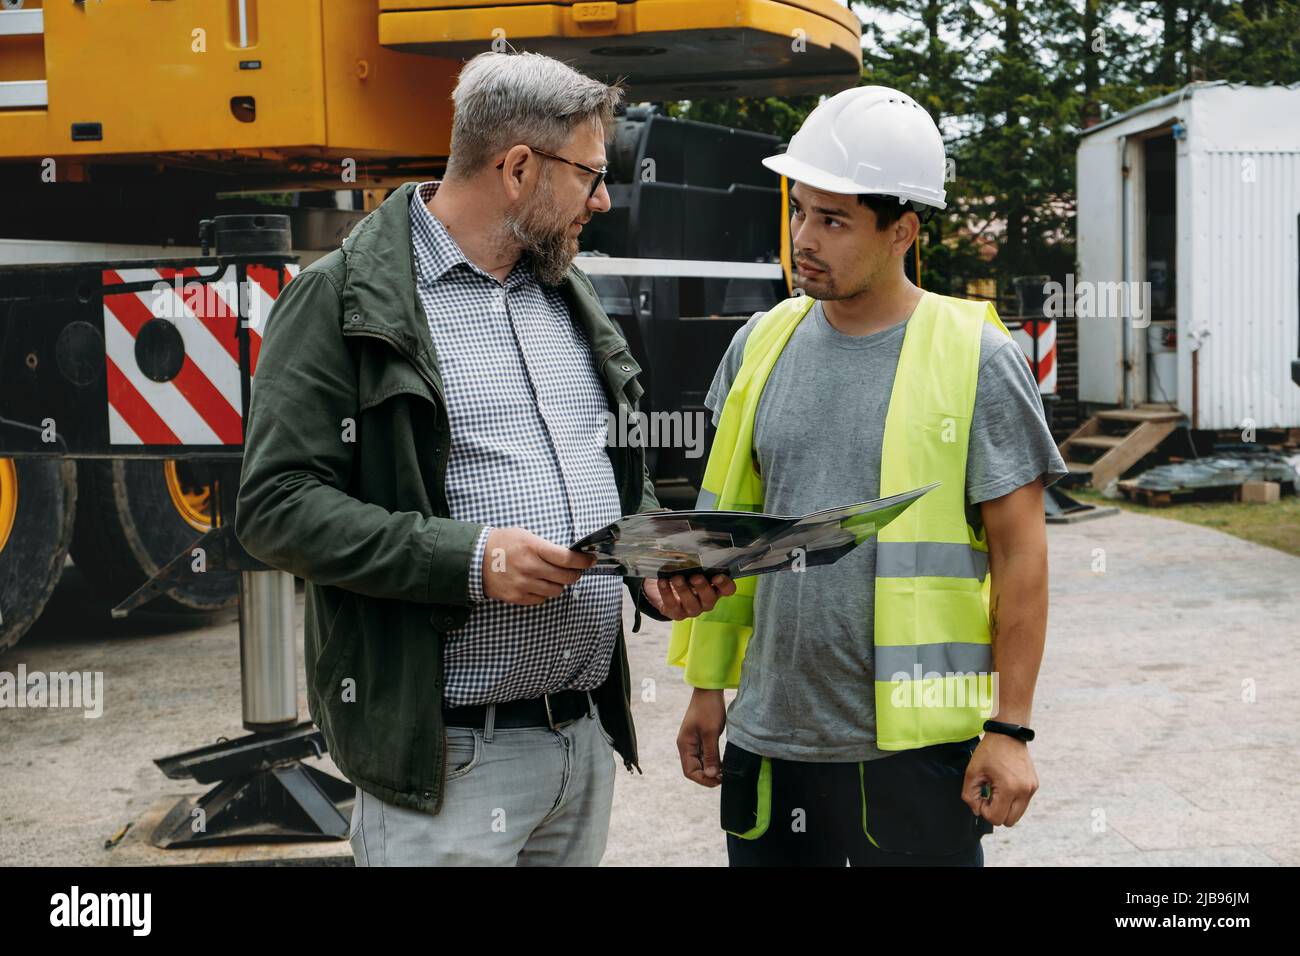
517,170
906,230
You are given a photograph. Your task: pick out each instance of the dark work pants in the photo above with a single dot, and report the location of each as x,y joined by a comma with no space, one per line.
901,810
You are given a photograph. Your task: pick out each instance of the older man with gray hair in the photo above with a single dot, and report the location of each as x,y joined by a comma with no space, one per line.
426,436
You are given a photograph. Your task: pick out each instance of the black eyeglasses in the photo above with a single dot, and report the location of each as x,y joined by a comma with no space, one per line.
598,173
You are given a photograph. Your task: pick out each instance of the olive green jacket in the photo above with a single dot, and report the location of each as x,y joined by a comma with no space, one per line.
345,456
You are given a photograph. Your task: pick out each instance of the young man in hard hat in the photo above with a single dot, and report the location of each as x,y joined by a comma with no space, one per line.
864,685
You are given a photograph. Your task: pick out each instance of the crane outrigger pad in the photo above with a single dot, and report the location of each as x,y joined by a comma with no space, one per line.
265,792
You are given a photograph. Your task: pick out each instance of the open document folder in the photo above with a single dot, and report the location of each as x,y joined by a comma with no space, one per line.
736,543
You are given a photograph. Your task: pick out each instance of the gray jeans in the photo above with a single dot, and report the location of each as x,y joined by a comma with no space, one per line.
527,796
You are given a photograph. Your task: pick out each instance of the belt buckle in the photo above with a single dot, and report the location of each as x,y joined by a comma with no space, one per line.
550,719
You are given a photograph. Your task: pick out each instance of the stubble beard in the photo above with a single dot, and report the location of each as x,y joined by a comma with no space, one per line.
826,289
822,289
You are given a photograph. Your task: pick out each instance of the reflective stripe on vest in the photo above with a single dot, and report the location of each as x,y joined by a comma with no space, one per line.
951,658
932,569
930,559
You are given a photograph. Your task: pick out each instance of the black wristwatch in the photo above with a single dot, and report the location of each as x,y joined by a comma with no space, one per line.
1011,730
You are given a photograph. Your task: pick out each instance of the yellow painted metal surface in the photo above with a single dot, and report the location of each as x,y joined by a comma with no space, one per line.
685,16
191,501
23,57
8,499
159,77
664,48
320,82
381,101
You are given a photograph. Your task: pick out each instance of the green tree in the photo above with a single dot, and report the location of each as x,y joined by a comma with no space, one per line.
1013,83
921,50
767,114
1256,41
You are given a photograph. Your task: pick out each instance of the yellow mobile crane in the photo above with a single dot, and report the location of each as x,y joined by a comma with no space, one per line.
280,92
125,122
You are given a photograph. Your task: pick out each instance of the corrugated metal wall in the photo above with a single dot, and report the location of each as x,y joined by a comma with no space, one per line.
1247,298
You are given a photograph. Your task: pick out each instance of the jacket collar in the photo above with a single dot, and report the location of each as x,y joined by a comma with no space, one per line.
379,294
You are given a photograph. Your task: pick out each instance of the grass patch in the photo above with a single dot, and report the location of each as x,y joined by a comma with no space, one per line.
1275,526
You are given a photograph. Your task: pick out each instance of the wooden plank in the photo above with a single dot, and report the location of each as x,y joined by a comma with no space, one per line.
1090,427
1139,415
1101,441
1139,442
1148,497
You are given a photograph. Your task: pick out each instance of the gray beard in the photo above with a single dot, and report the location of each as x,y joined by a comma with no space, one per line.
550,248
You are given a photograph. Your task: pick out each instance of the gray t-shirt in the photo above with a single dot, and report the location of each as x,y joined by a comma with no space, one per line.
807,683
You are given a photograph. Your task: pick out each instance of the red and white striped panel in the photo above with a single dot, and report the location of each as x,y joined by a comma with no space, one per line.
263,289
1045,331
201,405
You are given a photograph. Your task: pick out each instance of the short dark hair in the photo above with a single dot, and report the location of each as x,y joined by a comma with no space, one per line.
888,209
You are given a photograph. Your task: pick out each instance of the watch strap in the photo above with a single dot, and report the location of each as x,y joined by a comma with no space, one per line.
1011,730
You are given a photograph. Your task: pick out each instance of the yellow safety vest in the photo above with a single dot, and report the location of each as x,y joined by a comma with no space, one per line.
933,656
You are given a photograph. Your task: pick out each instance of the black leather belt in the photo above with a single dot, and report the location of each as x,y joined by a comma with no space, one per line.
550,710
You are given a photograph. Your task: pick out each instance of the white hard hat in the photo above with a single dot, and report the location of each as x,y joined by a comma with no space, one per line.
869,139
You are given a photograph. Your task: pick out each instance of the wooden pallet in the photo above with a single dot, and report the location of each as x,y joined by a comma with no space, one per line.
1153,498
1113,441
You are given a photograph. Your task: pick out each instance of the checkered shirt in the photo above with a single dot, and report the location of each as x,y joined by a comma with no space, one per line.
527,410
